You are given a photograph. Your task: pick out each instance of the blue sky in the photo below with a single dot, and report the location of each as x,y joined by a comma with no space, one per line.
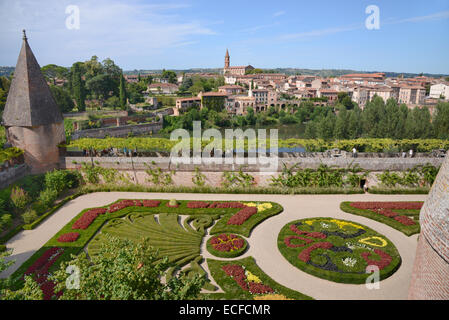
144,34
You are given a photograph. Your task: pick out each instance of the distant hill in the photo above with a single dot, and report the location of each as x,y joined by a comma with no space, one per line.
293,71
6,71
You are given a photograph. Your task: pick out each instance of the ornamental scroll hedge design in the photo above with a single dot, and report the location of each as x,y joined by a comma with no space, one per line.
400,215
133,219
337,250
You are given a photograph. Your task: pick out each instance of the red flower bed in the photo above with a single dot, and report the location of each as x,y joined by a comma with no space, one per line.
122,205
385,258
151,203
39,269
88,217
197,204
227,243
387,205
386,209
304,255
406,221
288,240
227,205
259,288
317,235
238,274
243,215
69,237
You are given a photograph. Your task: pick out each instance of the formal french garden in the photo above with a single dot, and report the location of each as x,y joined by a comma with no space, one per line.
337,250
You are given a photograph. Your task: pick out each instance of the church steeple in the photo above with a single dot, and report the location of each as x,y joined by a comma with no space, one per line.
227,59
30,102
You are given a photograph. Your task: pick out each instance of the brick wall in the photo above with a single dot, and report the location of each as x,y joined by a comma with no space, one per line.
430,277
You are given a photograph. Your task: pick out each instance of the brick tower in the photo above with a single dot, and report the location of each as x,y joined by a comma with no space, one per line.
31,117
227,60
430,277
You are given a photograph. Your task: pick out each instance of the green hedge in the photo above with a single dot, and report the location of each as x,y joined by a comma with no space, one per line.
385,190
407,230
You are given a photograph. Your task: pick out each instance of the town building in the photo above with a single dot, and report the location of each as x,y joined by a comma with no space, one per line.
439,90
234,71
162,88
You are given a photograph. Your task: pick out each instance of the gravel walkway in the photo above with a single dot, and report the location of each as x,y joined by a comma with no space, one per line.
262,241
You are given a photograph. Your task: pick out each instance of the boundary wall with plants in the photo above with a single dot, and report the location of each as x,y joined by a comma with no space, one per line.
165,163
121,131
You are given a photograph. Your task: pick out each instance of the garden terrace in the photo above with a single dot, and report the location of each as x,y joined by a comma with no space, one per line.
177,231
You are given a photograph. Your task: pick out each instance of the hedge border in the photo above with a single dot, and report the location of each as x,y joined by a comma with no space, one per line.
407,230
224,254
331,275
384,190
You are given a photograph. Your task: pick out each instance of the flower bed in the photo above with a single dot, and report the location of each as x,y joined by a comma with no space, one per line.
69,237
39,271
243,279
401,215
243,215
239,275
151,203
337,250
88,217
226,245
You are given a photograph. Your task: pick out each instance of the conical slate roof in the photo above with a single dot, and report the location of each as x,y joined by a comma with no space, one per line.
30,102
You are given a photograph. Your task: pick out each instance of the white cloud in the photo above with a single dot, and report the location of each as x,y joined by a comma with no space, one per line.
279,13
107,28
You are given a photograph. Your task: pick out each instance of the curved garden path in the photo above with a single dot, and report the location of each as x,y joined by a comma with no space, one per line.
262,241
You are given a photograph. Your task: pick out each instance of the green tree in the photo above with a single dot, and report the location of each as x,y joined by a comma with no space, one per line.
78,89
124,270
62,98
53,72
122,93
170,76
441,121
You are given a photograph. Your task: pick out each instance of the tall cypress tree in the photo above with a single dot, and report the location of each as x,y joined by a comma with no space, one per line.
122,92
79,92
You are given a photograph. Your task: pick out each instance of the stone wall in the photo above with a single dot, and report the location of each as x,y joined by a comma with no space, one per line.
138,163
430,278
122,131
13,174
40,145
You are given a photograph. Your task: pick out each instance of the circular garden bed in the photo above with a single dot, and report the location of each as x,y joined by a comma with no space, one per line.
226,245
337,250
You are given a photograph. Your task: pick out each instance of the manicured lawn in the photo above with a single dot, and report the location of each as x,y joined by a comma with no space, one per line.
337,250
389,213
252,273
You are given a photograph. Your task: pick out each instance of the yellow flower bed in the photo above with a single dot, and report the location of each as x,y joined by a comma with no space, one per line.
260,206
272,296
252,277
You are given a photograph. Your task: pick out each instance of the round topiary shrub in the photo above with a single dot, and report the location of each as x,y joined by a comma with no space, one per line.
173,203
338,250
226,245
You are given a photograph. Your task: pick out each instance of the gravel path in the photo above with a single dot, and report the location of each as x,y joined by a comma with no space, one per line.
262,241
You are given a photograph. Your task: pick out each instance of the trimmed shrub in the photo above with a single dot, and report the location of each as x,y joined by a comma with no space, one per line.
61,180
5,221
29,216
